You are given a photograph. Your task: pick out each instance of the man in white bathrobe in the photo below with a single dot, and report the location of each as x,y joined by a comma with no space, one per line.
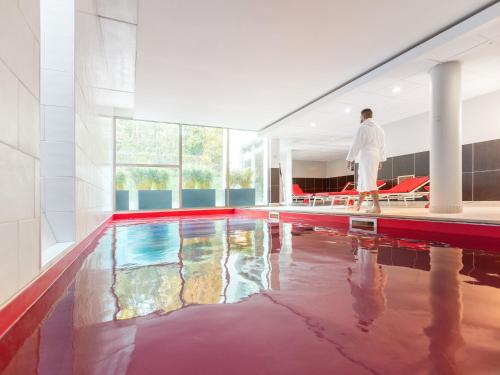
368,149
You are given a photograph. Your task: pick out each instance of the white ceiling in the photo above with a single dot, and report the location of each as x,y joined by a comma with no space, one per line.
331,135
245,64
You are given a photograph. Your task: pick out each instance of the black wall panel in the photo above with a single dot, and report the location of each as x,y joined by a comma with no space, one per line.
480,172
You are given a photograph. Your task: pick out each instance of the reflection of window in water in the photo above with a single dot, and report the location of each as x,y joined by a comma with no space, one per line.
143,290
202,267
368,290
220,261
248,264
146,244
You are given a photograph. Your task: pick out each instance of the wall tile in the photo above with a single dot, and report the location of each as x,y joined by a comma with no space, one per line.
18,45
35,87
29,250
348,178
31,12
47,236
59,193
59,124
9,277
29,123
403,165
8,106
467,186
467,158
422,163
342,180
332,184
17,185
309,185
319,185
386,172
485,185
37,188
58,159
57,88
59,46
63,225
487,155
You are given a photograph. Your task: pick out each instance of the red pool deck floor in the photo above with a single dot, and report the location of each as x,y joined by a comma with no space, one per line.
425,314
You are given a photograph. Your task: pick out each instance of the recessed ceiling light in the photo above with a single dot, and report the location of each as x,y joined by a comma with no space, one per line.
396,89
313,124
347,110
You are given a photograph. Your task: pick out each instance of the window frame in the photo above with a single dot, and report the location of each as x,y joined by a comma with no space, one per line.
226,168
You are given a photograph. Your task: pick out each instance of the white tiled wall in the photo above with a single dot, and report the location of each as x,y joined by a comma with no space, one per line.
57,147
63,139
19,150
93,128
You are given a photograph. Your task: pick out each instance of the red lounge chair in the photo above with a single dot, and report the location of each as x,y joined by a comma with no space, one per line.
326,195
408,189
299,195
349,194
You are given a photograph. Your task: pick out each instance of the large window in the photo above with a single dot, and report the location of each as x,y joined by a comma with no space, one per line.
247,167
147,165
141,142
161,166
203,174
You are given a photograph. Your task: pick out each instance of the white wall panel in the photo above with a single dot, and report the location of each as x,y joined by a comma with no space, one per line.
29,123
17,184
29,250
305,168
19,48
337,168
8,106
93,132
9,274
480,122
58,112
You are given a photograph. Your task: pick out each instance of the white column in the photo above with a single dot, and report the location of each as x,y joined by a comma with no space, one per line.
286,175
446,138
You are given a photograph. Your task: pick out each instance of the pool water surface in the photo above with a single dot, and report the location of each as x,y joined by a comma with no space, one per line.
234,295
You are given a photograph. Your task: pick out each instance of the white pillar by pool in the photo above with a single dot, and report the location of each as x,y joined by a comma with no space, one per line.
446,138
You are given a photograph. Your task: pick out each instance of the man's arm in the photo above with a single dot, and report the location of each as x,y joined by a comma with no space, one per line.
355,147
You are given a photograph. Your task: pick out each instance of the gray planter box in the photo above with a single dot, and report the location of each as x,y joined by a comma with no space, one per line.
192,198
155,199
122,200
241,197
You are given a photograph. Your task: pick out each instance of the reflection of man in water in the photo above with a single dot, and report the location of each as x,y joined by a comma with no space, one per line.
369,298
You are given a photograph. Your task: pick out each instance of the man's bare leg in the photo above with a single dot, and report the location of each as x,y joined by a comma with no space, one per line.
376,203
361,198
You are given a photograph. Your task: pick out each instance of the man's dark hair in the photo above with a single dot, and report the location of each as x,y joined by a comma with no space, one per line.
367,113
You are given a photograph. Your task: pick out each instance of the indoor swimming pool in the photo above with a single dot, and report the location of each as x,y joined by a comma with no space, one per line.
231,294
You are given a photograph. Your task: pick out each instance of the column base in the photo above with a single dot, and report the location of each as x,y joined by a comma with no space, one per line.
454,209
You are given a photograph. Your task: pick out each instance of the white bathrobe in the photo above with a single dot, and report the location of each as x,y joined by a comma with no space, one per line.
368,149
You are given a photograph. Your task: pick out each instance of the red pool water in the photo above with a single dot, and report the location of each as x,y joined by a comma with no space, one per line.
233,295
